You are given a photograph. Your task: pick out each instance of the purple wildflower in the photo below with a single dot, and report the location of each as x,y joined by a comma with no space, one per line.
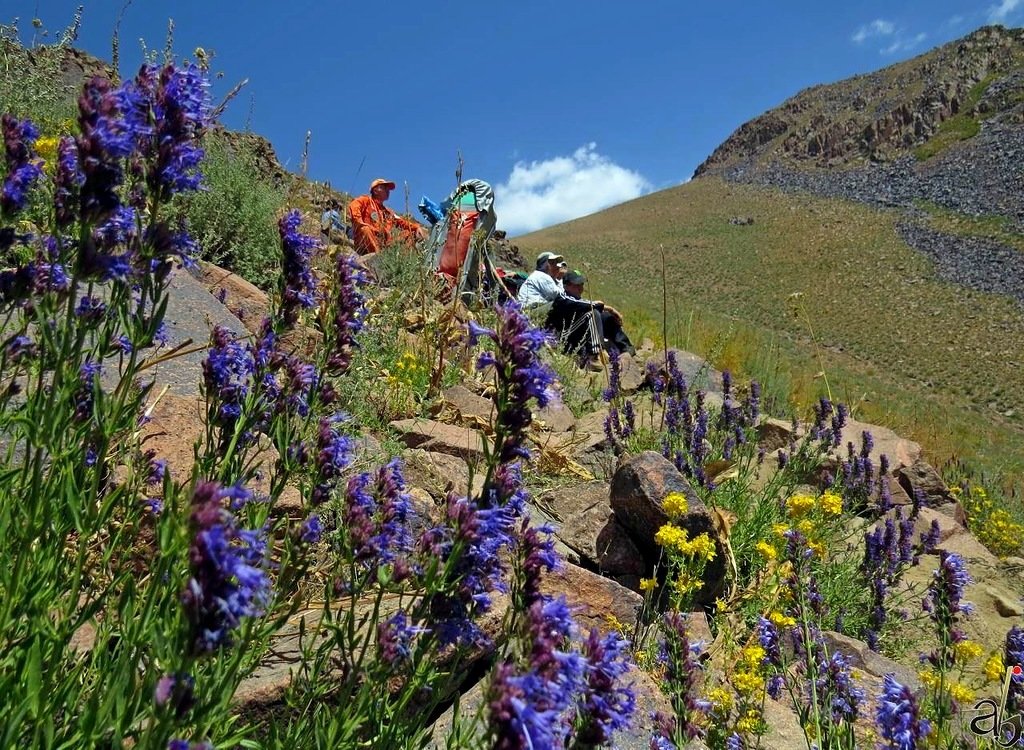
394,638
311,530
375,515
522,376
517,723
334,455
538,548
176,692
22,171
229,580
477,537
899,717
181,108
227,379
298,285
349,306
606,706
68,181
683,672
19,349
946,590
87,385
1013,656
836,690
106,138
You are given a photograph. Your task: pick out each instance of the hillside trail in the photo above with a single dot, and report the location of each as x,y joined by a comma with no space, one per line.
582,489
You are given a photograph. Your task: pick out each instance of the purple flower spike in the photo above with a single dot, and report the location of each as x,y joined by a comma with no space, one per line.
899,718
229,580
22,171
299,286
607,706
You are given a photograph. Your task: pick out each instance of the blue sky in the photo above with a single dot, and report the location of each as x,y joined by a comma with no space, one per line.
566,107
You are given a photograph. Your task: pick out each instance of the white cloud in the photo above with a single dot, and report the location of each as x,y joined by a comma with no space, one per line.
878,27
953,21
1001,13
541,193
903,44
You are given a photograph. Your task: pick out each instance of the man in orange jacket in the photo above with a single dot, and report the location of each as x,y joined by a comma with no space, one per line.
374,225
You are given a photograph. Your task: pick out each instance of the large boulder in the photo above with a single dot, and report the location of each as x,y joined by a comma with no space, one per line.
467,405
593,597
247,302
177,422
639,487
587,525
439,473
900,451
437,437
922,478
556,416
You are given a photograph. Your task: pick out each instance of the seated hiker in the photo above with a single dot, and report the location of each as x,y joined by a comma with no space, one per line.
332,226
574,320
374,225
611,319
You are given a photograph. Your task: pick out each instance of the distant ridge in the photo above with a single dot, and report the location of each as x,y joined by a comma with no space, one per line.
886,114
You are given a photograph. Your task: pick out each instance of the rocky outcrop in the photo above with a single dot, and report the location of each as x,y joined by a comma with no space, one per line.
878,116
638,491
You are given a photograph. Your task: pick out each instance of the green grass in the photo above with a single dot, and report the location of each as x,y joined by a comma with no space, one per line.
960,126
992,227
957,128
936,362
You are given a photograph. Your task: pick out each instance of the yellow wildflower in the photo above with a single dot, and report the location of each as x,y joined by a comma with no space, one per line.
831,503
779,529
720,605
967,650
747,683
612,622
805,527
670,536
817,548
961,693
767,551
721,699
994,668
749,723
675,504
752,656
929,678
702,548
46,147
780,620
799,505
956,491
648,584
686,583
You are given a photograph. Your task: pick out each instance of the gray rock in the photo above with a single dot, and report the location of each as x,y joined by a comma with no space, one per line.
639,487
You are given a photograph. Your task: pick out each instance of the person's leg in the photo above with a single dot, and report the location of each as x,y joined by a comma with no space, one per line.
613,335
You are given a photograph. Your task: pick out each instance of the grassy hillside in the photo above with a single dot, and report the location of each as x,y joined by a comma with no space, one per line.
938,362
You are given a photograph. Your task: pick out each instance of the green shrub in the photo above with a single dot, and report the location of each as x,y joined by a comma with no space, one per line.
31,81
233,220
956,128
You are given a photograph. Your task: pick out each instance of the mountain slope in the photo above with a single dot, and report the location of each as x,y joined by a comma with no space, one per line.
888,113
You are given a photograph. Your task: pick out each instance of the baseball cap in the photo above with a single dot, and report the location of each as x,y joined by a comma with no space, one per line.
381,181
547,257
574,277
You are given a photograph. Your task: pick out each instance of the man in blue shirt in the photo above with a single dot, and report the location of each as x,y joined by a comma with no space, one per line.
577,322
